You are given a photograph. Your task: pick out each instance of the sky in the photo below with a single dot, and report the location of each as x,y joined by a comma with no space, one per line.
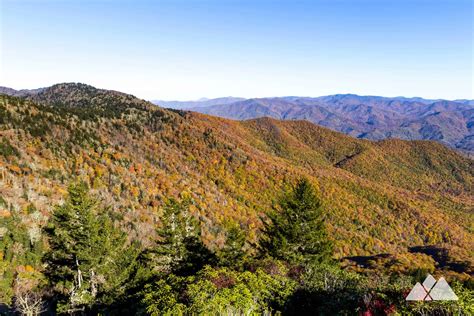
185,50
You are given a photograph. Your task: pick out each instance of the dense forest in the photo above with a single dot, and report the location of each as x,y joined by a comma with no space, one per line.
111,205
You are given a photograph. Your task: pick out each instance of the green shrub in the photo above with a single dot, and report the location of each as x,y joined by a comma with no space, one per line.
218,291
7,150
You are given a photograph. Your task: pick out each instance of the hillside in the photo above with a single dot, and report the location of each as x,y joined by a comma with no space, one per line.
391,197
369,117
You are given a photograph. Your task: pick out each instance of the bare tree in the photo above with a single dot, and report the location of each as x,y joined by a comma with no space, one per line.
27,301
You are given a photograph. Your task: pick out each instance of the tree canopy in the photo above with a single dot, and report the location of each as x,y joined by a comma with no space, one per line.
295,230
89,260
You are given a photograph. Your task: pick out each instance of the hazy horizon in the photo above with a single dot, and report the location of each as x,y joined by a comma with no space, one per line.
204,98
300,96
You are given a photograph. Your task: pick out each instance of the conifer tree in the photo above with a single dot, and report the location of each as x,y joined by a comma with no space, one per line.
89,261
179,247
295,230
232,253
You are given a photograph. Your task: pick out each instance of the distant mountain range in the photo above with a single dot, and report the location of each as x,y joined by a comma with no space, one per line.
204,102
370,117
387,201
19,93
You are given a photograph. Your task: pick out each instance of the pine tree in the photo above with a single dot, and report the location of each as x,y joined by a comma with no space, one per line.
232,253
89,261
295,230
179,247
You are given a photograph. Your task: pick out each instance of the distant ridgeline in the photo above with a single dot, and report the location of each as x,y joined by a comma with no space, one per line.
391,205
369,117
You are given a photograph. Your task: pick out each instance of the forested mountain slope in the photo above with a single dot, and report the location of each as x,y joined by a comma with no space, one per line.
383,197
368,117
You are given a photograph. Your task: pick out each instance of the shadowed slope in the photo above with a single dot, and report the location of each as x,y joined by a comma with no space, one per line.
381,197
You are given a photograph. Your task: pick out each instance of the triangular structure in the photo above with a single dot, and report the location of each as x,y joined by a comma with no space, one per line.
442,291
429,282
417,293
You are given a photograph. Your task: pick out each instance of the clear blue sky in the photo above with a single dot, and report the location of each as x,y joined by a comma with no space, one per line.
191,49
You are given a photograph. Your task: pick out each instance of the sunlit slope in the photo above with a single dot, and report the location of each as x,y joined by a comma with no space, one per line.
381,197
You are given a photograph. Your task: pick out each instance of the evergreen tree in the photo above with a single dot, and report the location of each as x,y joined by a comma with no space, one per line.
295,230
179,247
89,261
232,253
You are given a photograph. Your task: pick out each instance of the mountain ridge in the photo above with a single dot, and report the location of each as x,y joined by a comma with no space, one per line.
382,197
203,102
368,117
